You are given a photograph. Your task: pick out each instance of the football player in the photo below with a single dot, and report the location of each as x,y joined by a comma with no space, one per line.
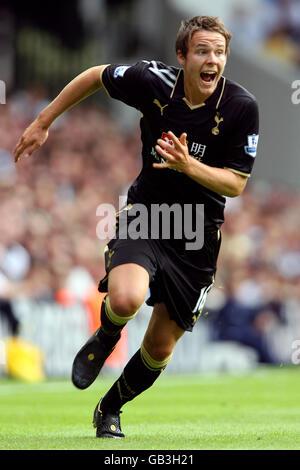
199,132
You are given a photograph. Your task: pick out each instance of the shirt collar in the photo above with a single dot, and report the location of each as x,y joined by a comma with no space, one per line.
212,102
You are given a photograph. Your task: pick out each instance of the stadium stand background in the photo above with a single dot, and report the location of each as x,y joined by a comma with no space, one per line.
50,256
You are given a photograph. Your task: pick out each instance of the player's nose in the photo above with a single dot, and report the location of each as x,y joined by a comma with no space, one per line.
211,58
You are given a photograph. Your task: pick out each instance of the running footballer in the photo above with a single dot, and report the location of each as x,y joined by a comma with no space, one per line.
199,132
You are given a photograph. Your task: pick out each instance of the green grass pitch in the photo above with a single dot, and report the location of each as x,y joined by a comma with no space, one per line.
258,410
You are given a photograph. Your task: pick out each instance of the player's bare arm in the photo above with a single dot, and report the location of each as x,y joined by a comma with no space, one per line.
78,89
219,180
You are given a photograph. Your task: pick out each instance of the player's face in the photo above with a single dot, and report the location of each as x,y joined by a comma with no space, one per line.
203,65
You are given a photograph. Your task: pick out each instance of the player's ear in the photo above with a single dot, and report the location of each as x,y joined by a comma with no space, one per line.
225,62
180,58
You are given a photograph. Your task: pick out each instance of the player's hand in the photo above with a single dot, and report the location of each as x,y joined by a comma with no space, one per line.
176,156
31,140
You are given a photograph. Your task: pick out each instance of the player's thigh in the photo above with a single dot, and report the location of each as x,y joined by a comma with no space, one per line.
128,286
162,333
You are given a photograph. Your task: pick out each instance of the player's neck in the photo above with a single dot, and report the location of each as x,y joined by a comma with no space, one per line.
195,96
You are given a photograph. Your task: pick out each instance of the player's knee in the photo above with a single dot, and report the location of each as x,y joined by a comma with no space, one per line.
158,350
125,304
161,353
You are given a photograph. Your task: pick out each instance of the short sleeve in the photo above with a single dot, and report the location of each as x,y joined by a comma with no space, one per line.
126,83
242,142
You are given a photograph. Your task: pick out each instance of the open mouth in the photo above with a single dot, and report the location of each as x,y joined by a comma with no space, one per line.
208,77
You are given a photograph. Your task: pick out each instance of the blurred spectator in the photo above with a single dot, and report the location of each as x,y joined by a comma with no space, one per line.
283,30
7,312
247,313
272,26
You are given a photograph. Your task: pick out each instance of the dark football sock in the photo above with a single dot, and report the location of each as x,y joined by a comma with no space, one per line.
138,375
111,323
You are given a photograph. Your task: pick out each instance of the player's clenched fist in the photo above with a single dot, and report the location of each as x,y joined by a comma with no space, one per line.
32,139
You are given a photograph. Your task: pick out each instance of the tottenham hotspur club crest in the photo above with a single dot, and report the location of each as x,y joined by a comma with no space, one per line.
215,130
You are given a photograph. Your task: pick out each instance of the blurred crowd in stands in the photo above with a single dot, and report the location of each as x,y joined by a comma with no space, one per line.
257,293
48,242
269,26
49,201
